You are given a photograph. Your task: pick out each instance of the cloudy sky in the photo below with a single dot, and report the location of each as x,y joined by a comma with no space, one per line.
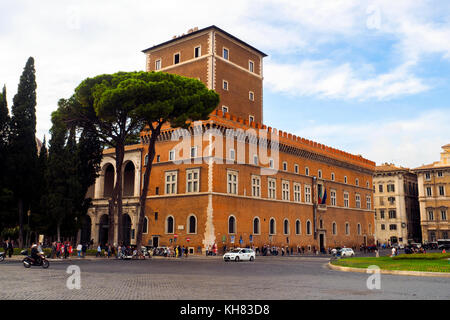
367,77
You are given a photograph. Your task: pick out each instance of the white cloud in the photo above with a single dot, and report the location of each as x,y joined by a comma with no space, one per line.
409,142
323,78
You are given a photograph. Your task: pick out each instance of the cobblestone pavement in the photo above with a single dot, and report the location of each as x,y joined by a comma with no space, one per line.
209,278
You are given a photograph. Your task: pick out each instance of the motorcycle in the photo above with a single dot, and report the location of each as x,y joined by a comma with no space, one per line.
2,256
28,261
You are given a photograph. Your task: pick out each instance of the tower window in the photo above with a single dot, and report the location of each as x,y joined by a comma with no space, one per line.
225,54
251,66
197,52
176,58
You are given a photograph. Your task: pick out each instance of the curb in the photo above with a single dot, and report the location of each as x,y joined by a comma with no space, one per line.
393,272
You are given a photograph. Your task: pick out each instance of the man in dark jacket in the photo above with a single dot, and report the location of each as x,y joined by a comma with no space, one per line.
10,248
5,247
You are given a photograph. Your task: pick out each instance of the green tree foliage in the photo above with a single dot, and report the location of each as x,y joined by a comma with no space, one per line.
23,149
6,195
166,98
72,168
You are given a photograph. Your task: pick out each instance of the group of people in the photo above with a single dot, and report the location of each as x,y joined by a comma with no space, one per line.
174,252
8,247
61,250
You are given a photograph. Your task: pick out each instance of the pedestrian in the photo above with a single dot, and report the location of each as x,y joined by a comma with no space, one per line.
79,248
10,248
99,251
5,247
393,252
109,251
83,249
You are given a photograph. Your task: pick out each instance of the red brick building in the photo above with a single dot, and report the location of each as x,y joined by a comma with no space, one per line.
240,194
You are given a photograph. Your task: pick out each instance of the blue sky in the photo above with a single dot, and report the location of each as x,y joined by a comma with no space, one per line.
367,77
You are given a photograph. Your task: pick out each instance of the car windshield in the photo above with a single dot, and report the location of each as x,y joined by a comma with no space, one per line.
235,251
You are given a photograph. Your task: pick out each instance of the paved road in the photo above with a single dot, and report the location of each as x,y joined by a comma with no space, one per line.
209,278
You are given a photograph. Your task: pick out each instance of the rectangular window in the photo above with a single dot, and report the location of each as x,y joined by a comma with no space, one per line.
429,192
443,215
272,188
368,202
308,194
296,168
251,96
197,52
225,85
346,202
285,190
357,201
171,182
271,163
440,174
297,192
172,155
427,176
392,214
392,227
383,227
390,188
256,186
332,176
255,160
192,180
251,66
333,197
193,152
307,171
284,166
176,58
225,54
232,154
381,214
441,191
319,174
158,64
430,215
232,181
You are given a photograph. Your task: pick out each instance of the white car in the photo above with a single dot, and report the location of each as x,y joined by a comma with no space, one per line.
347,252
239,254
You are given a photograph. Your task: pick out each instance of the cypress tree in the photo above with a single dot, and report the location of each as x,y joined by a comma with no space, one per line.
23,149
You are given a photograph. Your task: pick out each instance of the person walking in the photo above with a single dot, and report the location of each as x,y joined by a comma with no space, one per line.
99,251
10,248
79,248
5,247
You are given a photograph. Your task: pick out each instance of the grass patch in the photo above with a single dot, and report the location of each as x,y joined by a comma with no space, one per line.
432,262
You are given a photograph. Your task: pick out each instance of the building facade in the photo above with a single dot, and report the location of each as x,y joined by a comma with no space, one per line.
233,181
434,197
397,213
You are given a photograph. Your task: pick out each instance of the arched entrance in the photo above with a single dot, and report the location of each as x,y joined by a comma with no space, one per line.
128,179
108,181
103,227
86,225
126,224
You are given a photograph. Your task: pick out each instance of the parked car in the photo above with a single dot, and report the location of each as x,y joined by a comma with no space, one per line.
239,254
347,252
430,245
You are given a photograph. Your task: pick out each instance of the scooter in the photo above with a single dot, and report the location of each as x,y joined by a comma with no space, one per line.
2,256
29,261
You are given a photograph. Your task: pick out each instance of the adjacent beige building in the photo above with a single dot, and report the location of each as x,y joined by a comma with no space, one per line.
434,197
397,217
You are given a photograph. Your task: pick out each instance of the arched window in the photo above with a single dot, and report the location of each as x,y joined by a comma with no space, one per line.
231,224
272,226
256,225
145,226
170,224
192,224
298,226
334,228
286,226
308,227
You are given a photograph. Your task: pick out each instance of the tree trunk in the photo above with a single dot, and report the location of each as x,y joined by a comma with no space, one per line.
120,150
143,196
20,207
